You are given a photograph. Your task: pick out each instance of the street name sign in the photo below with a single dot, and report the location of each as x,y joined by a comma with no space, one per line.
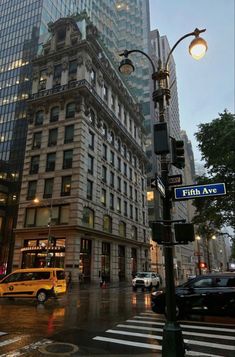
158,184
174,180
196,191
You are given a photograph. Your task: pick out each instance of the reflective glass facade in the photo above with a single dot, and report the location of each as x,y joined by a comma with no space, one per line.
22,25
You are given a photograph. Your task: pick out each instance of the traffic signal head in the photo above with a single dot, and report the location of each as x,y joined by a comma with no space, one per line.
177,152
184,233
161,139
158,232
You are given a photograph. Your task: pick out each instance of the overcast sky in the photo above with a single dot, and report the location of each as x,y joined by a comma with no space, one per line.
205,87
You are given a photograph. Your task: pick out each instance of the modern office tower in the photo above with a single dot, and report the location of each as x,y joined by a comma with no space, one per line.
22,25
84,162
183,263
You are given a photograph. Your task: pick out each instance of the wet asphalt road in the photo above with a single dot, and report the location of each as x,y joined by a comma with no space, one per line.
77,318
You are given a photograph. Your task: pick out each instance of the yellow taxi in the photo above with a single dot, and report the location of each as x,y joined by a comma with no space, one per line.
39,283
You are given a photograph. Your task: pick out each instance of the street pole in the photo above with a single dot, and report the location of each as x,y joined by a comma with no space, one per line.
48,257
173,344
208,255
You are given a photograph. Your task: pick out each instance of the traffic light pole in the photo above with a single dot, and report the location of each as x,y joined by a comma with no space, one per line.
173,344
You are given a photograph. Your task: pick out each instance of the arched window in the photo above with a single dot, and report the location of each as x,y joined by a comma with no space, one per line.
39,116
88,217
107,224
70,110
134,233
122,229
54,115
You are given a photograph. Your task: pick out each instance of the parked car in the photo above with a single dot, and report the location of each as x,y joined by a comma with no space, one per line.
146,280
212,294
39,283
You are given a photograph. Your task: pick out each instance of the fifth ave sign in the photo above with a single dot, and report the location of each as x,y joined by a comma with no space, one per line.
195,191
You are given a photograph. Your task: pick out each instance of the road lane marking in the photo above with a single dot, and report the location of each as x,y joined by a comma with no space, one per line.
219,329
185,332
25,349
190,342
3,333
128,343
11,340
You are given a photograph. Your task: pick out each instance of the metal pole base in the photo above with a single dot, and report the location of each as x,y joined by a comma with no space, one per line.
173,343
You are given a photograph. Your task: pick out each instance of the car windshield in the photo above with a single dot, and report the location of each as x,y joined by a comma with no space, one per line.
143,275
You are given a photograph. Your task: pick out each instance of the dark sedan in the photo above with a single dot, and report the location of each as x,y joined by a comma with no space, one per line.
212,294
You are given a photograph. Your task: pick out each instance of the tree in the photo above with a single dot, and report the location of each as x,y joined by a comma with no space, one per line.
216,143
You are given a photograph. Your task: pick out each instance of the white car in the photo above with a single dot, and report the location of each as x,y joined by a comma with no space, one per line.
146,280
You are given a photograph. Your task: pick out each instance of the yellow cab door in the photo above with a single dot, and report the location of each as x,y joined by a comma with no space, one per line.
11,285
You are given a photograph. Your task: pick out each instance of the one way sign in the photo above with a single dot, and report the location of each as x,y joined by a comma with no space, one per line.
153,183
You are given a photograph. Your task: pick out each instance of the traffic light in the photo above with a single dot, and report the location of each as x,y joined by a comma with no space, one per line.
202,265
158,232
161,139
177,152
184,233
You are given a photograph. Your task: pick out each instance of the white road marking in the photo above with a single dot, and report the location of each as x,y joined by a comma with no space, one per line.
211,328
185,332
21,351
3,333
11,340
127,343
155,337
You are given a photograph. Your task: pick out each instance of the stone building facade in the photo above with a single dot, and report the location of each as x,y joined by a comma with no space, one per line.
83,196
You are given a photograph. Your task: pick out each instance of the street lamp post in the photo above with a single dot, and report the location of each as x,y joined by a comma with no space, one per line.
199,254
173,344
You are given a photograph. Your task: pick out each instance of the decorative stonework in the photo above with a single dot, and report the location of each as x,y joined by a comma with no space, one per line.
88,64
79,60
100,79
49,70
65,65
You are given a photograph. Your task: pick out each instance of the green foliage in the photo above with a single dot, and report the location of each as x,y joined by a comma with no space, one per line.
216,141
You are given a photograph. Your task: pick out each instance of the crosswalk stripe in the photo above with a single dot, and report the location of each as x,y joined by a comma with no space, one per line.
11,340
21,351
155,337
3,333
185,332
128,343
211,328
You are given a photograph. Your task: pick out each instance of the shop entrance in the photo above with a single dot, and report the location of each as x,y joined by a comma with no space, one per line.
121,262
85,261
105,262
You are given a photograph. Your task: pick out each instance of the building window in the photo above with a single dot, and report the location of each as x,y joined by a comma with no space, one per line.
68,134
119,167
111,201
125,208
105,131
105,93
89,190
131,211
122,229
91,117
42,79
107,224
119,205
119,110
52,137
119,145
103,197
111,178
104,153
66,186
125,168
48,187
34,165
131,192
61,34
125,187
136,214
50,164
93,77
113,102
124,151
119,184
32,187
88,217
70,110
130,173
68,159
57,71
112,138
91,139
73,67
37,137
134,233
39,116
54,115
104,173
112,158
90,164
125,119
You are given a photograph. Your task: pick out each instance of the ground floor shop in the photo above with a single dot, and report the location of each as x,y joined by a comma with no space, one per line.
88,257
